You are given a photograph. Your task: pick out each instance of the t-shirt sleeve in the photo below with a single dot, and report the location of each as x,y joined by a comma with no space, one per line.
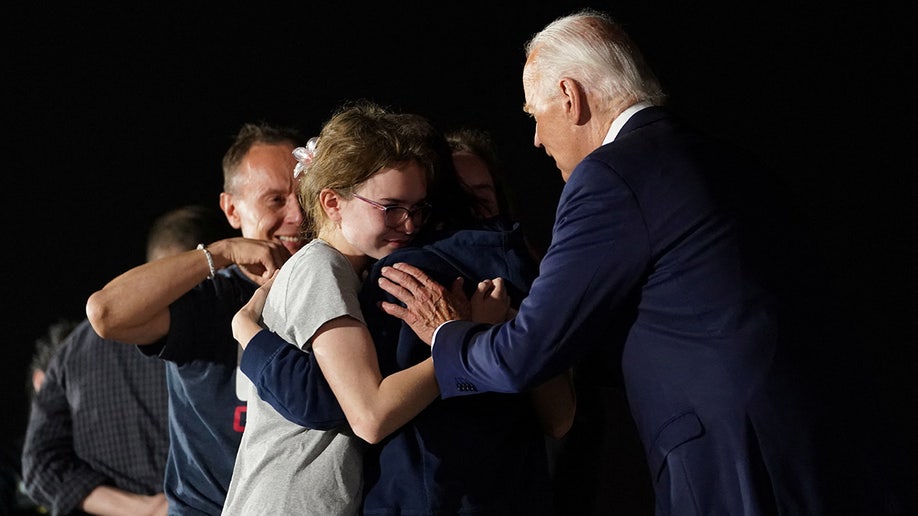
317,285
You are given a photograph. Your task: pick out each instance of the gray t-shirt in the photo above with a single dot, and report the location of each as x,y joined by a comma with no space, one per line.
281,467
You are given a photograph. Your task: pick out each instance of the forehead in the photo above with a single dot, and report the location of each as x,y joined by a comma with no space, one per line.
266,166
529,79
405,182
530,105
269,156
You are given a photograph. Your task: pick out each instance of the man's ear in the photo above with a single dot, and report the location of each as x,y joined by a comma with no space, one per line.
228,205
575,103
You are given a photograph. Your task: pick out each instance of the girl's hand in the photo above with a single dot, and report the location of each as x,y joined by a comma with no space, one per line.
490,302
247,321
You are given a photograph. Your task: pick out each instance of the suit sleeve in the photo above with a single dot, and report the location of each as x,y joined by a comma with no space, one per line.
598,254
52,472
274,366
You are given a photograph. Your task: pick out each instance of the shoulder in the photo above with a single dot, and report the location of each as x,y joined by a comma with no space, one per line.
317,271
315,260
316,250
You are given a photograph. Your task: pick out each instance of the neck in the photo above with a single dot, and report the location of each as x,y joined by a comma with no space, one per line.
336,239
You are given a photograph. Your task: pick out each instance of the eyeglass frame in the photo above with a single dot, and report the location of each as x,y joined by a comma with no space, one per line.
423,208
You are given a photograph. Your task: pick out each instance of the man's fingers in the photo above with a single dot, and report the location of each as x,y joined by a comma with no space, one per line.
412,277
398,277
396,289
266,278
393,309
412,281
411,270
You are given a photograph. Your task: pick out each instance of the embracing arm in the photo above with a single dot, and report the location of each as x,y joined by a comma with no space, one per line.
374,406
377,406
273,365
134,307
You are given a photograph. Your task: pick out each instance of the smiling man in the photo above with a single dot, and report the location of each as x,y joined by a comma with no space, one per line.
179,309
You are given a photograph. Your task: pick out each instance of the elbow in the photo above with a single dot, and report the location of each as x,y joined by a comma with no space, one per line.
99,315
368,428
369,437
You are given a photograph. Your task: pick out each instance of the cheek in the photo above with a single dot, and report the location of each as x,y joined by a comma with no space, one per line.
260,224
544,132
357,230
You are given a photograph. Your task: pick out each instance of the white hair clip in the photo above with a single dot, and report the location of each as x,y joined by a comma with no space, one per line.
304,155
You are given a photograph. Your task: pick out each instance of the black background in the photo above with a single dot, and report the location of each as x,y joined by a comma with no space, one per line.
116,114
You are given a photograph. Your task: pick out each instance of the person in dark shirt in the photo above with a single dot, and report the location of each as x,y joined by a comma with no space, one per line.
97,436
179,309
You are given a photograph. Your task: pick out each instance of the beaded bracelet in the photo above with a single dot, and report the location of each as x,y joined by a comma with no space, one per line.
210,261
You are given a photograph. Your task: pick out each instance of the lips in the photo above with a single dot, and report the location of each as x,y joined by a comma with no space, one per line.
292,243
399,243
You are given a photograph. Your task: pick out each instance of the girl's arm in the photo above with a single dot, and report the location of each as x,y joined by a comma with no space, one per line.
374,406
349,378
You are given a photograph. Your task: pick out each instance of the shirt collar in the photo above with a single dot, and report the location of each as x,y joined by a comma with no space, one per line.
623,118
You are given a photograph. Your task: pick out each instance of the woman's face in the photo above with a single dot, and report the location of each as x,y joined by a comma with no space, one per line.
363,222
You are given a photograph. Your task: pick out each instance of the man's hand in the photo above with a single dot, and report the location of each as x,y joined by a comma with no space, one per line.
427,303
258,258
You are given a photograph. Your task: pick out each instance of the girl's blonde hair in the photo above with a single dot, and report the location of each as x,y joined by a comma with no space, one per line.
359,140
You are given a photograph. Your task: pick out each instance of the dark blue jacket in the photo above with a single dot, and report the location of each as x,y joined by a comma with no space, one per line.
672,266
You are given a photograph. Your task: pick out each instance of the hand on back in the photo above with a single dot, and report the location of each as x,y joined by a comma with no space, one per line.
427,303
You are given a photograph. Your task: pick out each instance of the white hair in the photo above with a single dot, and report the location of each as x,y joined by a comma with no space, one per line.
591,48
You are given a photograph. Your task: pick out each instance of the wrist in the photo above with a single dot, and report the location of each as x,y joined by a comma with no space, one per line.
210,261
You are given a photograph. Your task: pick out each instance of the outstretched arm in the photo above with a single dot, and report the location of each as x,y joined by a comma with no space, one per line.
134,307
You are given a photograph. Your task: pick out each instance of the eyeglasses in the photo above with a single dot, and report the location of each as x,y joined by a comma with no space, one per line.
397,215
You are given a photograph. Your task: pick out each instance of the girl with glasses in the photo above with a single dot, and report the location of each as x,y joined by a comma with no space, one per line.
300,456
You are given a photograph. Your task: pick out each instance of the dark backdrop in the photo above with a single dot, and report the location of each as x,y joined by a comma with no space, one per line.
116,114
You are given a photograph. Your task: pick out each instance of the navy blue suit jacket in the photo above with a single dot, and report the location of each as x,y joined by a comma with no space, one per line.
671,268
